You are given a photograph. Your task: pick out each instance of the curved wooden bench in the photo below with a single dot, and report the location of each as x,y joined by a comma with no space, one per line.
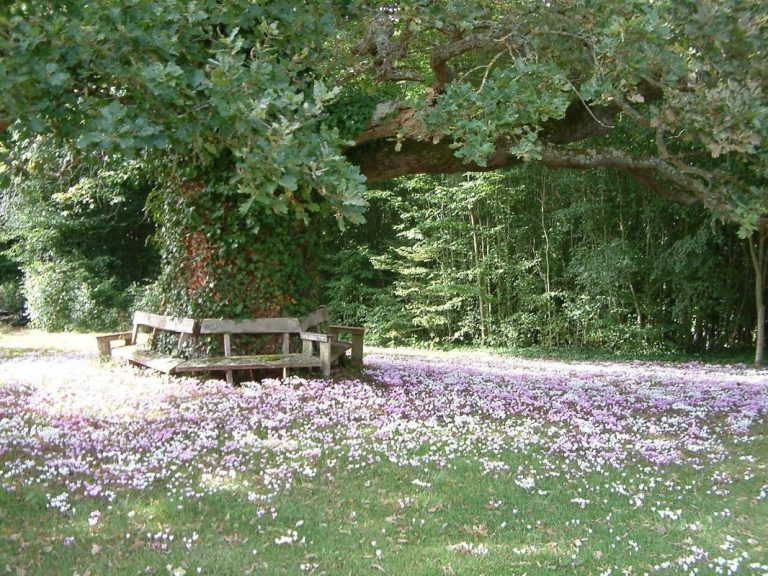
316,349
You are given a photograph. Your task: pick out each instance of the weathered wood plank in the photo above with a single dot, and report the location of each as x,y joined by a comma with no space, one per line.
315,318
265,361
287,343
255,326
160,322
325,358
357,346
346,329
149,358
104,342
319,349
338,348
358,335
315,337
228,352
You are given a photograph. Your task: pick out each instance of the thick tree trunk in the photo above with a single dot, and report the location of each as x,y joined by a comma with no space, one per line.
218,262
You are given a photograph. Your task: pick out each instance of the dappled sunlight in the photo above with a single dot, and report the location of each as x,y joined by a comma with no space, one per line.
116,422
28,340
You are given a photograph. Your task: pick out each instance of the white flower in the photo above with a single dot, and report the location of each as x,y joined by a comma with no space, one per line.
93,518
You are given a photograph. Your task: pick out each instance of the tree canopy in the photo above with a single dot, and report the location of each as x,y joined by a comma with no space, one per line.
672,92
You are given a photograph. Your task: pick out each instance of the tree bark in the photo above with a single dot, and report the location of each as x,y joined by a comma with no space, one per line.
760,264
216,264
478,260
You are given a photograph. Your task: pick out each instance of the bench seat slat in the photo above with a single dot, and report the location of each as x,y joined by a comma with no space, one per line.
248,362
339,349
149,358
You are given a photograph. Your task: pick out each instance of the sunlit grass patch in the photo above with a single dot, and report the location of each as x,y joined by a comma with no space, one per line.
14,341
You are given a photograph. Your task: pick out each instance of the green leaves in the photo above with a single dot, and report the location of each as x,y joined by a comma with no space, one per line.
202,84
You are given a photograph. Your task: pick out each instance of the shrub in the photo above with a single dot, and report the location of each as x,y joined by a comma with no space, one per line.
67,295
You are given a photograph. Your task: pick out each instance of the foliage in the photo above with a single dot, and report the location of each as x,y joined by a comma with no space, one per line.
198,81
66,295
272,113
78,232
512,78
11,300
215,264
532,258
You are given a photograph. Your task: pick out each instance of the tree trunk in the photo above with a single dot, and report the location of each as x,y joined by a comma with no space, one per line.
760,265
547,269
218,262
478,259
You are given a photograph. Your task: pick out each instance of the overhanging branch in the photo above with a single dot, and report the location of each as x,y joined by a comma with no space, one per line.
378,161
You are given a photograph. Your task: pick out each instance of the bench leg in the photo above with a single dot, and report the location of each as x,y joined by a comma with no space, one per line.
228,352
105,349
325,358
357,347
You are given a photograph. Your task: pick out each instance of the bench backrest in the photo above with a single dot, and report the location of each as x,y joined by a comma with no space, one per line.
160,322
253,326
187,327
315,318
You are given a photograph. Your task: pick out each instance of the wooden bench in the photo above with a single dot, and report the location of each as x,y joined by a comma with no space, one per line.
319,350
319,321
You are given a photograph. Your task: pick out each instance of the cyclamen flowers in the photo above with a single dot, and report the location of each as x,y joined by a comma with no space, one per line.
94,432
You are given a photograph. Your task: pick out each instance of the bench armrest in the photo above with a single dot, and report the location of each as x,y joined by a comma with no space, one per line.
104,342
325,341
347,329
358,334
315,337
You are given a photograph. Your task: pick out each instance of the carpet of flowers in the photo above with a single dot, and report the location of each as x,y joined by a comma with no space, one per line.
86,434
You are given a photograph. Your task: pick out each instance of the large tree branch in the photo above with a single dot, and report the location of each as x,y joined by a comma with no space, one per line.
397,120
655,173
378,161
443,54
388,120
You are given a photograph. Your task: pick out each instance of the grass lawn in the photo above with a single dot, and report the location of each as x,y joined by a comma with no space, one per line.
423,464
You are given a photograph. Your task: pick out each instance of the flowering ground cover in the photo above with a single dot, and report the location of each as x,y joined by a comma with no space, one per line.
422,464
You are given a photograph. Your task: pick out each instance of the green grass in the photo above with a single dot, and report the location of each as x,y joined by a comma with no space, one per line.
378,518
19,341
378,521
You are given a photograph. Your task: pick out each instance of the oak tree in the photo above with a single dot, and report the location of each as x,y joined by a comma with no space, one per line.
257,116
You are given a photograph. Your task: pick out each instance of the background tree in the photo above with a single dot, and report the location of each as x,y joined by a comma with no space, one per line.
586,259
78,233
228,94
